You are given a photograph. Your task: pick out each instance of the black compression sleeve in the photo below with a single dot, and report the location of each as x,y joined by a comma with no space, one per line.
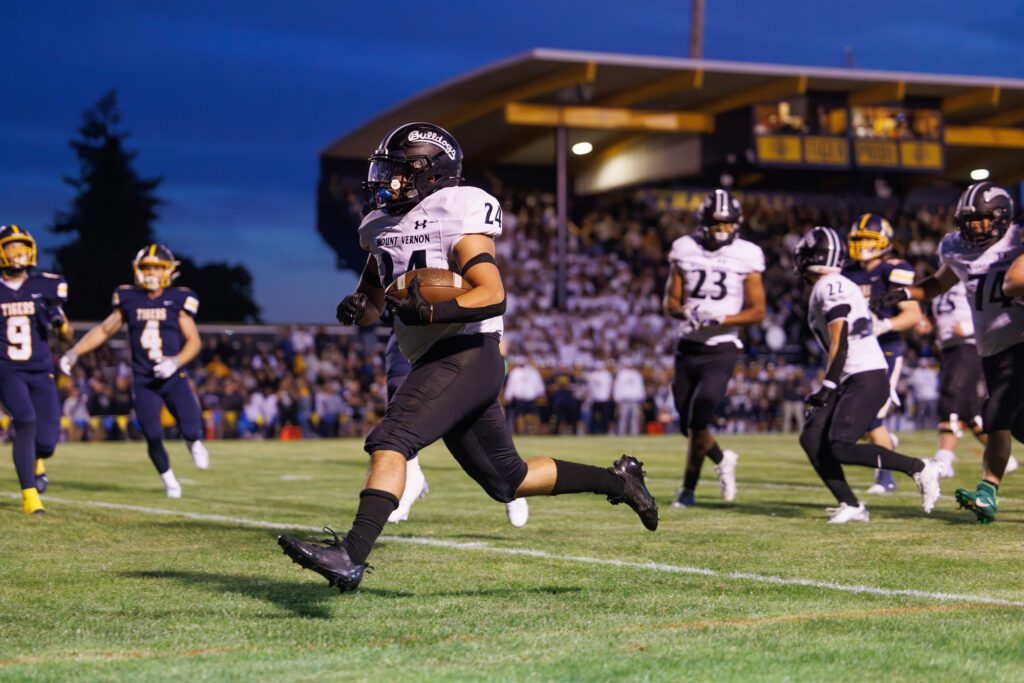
452,312
835,370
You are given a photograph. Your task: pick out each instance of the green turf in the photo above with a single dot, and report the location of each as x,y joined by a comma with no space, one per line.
91,593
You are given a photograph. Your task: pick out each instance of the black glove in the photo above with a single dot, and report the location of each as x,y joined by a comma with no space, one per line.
413,309
889,298
351,309
56,317
819,398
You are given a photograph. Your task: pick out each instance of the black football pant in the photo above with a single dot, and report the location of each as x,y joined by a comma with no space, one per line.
451,393
831,433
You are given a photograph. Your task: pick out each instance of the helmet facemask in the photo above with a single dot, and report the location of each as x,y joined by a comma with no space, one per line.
983,214
153,271
412,162
17,252
718,235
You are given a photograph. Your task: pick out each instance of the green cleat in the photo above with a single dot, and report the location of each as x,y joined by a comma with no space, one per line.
982,501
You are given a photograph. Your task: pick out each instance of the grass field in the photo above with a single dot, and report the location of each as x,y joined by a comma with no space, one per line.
109,586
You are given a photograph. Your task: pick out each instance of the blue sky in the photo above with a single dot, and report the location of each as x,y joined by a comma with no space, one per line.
231,101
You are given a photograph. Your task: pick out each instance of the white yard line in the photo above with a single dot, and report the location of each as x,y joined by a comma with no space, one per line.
485,547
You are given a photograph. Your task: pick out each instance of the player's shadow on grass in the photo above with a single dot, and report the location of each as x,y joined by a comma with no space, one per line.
481,593
294,596
94,487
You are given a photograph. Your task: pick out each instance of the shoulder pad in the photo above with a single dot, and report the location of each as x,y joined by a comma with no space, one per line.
465,209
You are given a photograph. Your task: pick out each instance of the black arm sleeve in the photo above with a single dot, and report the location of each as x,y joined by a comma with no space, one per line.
835,370
452,312
840,311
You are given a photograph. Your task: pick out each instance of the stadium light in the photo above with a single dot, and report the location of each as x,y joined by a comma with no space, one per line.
979,174
581,148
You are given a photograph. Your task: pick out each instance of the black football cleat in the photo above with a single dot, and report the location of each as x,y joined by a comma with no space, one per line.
635,494
330,561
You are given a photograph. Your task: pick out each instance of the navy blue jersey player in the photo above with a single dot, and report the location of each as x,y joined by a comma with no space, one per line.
30,307
875,271
163,338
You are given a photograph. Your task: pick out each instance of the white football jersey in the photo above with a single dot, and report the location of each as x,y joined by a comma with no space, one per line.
425,237
834,291
998,322
713,284
951,310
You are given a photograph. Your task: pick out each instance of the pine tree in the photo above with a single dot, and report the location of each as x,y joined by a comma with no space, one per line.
112,217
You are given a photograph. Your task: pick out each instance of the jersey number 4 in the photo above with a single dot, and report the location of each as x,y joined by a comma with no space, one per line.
719,284
995,295
417,260
151,341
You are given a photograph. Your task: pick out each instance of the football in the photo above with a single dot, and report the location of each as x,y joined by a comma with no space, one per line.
436,284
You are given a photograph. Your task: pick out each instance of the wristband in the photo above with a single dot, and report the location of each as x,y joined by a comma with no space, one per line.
829,384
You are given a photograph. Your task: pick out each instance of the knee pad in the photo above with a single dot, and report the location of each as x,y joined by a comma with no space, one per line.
702,415
842,450
503,487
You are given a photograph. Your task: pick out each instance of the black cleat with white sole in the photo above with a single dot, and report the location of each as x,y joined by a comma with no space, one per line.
635,494
329,559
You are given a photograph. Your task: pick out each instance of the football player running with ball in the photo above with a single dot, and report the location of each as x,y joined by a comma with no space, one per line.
875,271
984,254
856,384
714,287
30,306
422,218
164,339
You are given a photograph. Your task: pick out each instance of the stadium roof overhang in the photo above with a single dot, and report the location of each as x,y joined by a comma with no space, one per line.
504,113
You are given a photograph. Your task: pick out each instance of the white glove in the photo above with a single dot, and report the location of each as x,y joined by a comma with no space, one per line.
166,367
880,326
67,361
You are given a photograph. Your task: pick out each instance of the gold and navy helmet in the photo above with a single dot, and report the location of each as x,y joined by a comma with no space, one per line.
158,255
870,238
23,258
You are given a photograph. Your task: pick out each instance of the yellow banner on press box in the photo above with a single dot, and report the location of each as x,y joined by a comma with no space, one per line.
779,149
882,153
822,150
923,155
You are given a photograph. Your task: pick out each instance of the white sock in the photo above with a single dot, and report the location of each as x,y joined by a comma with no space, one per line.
413,466
945,454
170,480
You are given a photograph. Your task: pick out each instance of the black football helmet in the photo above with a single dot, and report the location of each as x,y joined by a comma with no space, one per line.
717,208
162,267
978,202
25,256
820,251
411,162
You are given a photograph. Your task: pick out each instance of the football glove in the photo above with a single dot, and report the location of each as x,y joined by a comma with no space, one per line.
889,298
693,319
880,326
166,367
413,309
820,397
57,318
351,309
67,361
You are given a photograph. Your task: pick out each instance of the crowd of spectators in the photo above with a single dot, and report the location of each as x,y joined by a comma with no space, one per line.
603,366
